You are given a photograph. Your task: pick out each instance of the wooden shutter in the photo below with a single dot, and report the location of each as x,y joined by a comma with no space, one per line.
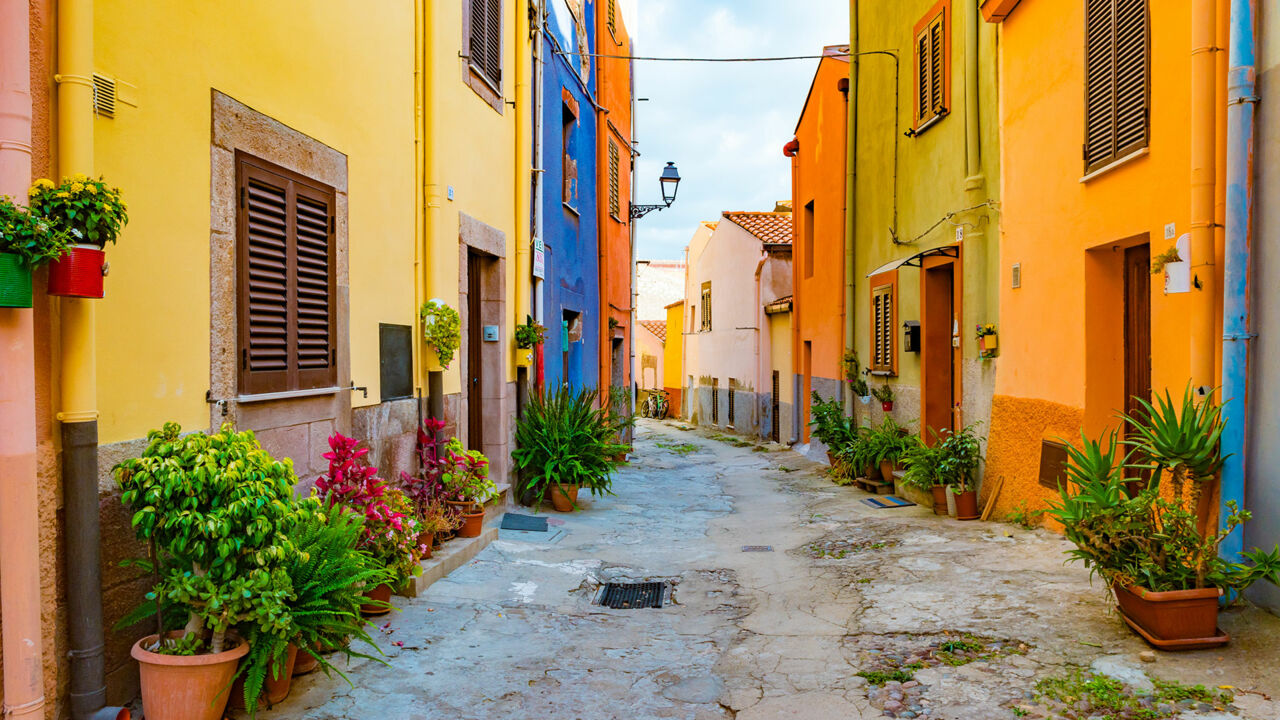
937,105
613,16
932,65
1116,80
485,41
882,328
706,306
615,204
923,73
285,281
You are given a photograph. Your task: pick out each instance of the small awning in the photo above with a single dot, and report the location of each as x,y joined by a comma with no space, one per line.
951,251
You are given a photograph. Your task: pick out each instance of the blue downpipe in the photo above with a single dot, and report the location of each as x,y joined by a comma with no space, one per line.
1238,270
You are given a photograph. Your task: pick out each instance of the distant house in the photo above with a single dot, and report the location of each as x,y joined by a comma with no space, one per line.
651,344
736,268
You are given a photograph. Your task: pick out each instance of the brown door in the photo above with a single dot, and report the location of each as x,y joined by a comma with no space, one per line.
475,363
1137,326
937,357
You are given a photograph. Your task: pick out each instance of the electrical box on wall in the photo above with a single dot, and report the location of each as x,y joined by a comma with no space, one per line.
911,336
490,333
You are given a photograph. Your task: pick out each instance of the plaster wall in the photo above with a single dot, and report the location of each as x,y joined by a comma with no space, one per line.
650,360
614,83
673,357
658,284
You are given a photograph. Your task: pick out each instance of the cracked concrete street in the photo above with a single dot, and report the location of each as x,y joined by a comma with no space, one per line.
757,635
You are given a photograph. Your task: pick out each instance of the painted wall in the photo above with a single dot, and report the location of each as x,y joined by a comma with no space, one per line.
934,193
780,361
673,358
1262,487
1061,333
818,177
650,359
570,225
658,284
614,91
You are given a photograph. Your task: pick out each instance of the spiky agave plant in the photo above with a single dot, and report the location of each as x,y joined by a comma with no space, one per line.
1181,439
329,574
565,438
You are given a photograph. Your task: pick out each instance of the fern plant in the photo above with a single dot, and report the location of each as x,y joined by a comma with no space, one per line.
565,438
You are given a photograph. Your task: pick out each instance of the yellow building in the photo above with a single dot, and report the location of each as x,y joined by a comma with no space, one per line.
673,358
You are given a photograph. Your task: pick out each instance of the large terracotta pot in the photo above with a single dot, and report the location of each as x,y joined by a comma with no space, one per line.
381,593
78,274
967,505
564,498
277,689
1172,620
427,540
472,519
186,687
886,470
306,662
939,499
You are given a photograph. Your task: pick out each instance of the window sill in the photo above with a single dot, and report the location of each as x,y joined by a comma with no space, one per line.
915,132
1140,152
287,395
881,373
491,94
571,208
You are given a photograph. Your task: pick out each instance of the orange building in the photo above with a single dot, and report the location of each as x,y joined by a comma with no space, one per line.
614,165
818,163
1086,324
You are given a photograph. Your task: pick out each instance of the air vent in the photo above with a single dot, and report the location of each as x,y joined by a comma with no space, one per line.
1053,464
1017,275
104,95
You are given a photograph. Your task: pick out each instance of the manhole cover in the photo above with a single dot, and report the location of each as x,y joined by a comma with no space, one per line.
757,548
631,596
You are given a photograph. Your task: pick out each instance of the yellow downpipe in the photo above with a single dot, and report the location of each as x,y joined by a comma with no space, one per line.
523,155
438,243
1204,18
75,155
419,230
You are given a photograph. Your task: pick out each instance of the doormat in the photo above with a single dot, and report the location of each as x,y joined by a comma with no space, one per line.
888,501
513,521
757,548
632,596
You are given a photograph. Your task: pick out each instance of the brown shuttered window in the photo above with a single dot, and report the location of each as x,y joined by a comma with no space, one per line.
613,16
1117,87
882,321
706,307
485,40
933,68
285,280
615,201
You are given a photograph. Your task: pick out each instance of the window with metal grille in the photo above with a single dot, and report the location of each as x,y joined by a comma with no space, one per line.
933,67
715,401
569,151
706,307
1117,80
882,321
777,390
733,391
285,280
484,40
615,200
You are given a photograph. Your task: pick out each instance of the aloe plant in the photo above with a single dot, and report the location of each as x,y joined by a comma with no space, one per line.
1179,439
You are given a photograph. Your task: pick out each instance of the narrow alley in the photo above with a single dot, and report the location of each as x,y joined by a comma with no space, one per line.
840,589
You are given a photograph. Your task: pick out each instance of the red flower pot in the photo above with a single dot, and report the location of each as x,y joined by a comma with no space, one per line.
78,274
887,406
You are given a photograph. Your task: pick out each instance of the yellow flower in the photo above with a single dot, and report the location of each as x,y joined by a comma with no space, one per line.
64,195
92,190
44,183
79,177
34,191
77,187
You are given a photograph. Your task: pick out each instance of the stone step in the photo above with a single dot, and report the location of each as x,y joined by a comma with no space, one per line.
459,551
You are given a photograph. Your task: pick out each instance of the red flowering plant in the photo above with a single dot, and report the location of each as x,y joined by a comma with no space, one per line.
391,525
466,474
426,488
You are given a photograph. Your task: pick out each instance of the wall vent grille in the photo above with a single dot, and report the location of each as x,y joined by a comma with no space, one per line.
104,95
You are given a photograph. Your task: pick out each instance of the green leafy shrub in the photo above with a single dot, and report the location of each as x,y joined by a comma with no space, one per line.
530,334
565,438
952,461
853,375
465,474
30,236
441,329
89,210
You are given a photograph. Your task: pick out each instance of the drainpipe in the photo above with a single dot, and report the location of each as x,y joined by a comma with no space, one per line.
1203,184
850,205
523,154
19,504
435,276
604,364
79,416
1237,337
539,313
420,231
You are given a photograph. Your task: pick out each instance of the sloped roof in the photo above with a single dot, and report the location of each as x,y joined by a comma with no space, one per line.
657,327
772,228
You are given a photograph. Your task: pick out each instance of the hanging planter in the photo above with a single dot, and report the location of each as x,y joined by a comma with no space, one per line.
884,394
79,274
441,331
27,240
15,281
92,214
988,341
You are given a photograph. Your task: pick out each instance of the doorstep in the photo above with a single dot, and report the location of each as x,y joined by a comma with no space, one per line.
459,551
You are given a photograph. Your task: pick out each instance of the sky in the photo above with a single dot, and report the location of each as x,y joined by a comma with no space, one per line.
723,124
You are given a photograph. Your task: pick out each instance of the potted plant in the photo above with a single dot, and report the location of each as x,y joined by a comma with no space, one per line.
830,425
93,214
564,443
884,394
467,485
212,509
528,336
921,465
390,518
988,341
425,487
326,570
958,458
435,520
854,376
889,444
27,240
441,330
1150,546
620,414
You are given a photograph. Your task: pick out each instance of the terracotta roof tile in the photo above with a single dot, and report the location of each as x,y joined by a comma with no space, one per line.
773,228
657,327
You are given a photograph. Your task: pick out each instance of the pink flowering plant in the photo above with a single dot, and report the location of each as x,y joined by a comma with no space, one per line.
426,488
391,526
466,474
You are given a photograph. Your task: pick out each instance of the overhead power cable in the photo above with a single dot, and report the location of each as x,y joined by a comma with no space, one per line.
707,59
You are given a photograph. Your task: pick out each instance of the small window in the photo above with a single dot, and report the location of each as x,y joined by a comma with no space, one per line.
808,239
883,318
933,67
569,162
1117,87
615,199
706,307
715,401
484,40
733,391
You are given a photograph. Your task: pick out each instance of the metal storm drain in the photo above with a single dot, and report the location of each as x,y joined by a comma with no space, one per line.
757,548
632,596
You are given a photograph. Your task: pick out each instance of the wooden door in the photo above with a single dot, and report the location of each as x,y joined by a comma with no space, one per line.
937,356
475,345
1137,326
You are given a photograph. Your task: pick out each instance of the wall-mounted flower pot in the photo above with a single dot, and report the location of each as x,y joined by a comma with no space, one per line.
78,274
186,687
524,357
1172,620
15,282
865,399
886,405
967,505
939,499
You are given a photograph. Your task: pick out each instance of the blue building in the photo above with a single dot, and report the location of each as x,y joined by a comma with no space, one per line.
571,291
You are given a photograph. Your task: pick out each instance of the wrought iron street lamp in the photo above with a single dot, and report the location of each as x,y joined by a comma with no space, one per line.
670,182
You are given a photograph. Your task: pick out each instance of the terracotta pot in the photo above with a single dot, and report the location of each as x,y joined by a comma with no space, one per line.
939,499
427,540
186,687
306,663
967,505
78,274
1175,615
472,523
886,470
381,593
277,689
564,498
831,458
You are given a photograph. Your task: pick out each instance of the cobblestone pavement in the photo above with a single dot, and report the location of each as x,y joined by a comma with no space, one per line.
957,619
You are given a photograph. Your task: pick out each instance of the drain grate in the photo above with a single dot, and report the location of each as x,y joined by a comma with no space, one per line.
632,596
757,548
